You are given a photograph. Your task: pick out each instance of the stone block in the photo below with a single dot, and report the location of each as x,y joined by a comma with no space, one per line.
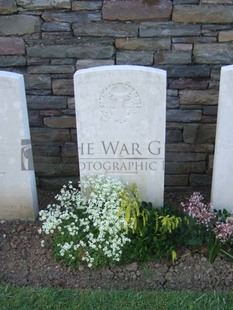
46,102
170,29
56,170
63,87
210,110
56,35
12,46
86,5
184,157
192,71
35,120
199,97
184,116
106,29
202,180
10,61
192,40
190,148
134,58
172,57
218,14
60,122
215,53
89,63
8,7
69,51
187,83
44,4
55,26
37,81
225,36
173,102
53,69
70,149
71,17
216,2
143,44
182,47
174,135
19,25
190,132
41,135
185,167
206,133
137,10
46,151
176,180
57,183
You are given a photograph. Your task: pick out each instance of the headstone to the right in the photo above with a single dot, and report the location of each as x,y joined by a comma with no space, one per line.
222,182
18,197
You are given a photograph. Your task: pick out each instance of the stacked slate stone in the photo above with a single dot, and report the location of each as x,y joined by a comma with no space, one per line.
48,41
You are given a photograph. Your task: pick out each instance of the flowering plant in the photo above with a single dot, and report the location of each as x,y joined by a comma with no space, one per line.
89,226
218,225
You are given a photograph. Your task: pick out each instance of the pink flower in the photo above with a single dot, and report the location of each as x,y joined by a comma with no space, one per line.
195,208
224,231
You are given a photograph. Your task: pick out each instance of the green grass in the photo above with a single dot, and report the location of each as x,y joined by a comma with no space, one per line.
27,298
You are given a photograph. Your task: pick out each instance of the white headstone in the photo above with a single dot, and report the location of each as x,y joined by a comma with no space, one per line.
18,197
222,182
120,114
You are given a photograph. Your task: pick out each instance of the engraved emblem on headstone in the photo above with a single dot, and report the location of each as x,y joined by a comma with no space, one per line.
119,101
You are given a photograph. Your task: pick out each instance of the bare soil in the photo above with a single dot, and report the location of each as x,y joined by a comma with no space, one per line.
25,262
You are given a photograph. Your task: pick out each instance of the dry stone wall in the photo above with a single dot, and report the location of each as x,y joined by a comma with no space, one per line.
47,41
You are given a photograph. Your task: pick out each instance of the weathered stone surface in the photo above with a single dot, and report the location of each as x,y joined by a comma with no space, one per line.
213,53
71,17
170,156
200,180
89,63
190,148
216,1
189,134
37,61
176,180
225,36
173,102
63,87
49,135
70,149
37,81
184,116
182,47
56,35
60,122
185,167
7,6
161,29
185,2
51,69
35,120
57,183
202,14
55,26
56,170
44,4
68,51
206,133
137,10
141,44
40,150
19,25
60,61
210,110
188,71
86,5
193,97
172,57
134,58
12,46
191,40
46,102
174,135
188,83
9,61
107,29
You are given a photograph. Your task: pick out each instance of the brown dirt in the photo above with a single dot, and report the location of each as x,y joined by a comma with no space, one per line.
25,262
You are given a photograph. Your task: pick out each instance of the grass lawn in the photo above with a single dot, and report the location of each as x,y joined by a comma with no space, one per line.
27,298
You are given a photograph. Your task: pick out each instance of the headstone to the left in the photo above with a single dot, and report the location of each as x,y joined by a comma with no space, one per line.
18,196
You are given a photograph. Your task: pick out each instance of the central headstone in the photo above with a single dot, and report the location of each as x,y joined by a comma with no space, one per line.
120,114
222,183
18,198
